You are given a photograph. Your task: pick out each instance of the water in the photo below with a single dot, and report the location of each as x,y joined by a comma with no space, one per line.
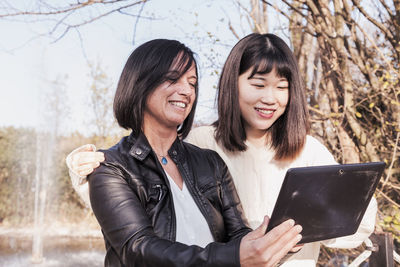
37,233
66,251
37,244
45,148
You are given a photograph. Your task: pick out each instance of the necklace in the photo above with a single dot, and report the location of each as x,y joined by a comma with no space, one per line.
164,160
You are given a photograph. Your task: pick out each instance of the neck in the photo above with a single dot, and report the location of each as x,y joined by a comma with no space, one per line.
256,137
160,138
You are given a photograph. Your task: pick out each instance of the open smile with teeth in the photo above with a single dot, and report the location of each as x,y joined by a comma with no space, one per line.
264,111
178,104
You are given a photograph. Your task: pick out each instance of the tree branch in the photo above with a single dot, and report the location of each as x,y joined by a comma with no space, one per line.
372,20
394,158
72,7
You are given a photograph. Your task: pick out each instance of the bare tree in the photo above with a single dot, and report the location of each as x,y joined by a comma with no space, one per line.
256,15
101,93
62,18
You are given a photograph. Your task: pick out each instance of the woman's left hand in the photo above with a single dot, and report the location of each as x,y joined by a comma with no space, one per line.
86,160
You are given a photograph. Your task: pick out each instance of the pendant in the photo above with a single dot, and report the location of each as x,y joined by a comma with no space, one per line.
164,161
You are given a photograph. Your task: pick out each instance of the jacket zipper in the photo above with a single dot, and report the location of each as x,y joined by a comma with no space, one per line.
159,190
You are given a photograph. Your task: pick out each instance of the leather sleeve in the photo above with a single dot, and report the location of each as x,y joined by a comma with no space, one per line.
127,227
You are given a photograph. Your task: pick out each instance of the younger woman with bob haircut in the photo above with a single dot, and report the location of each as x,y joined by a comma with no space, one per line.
261,132
268,134
260,55
161,201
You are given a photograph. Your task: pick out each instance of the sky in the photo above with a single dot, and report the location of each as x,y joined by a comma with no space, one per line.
30,64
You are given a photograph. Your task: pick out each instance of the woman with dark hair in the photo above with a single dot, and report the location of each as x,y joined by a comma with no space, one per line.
261,132
161,201
268,134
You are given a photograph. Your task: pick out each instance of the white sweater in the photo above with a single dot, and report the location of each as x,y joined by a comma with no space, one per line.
258,179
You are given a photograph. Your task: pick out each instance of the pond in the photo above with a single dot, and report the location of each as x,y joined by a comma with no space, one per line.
66,251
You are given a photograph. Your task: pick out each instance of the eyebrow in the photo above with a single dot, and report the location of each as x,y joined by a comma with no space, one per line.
255,76
193,77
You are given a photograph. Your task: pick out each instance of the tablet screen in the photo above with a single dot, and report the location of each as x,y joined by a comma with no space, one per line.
327,201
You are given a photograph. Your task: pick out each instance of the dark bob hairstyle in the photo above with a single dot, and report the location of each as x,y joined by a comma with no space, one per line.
262,53
147,68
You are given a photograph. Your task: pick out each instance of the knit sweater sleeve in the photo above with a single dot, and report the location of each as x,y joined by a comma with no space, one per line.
79,182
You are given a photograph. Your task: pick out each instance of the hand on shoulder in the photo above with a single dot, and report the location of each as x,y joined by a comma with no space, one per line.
84,160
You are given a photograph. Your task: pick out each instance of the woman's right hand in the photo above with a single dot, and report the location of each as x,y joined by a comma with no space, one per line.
85,160
258,248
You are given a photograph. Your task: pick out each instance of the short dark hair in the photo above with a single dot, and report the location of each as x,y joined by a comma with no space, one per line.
146,69
262,53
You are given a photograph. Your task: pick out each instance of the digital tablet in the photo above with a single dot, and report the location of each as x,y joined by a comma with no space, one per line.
327,201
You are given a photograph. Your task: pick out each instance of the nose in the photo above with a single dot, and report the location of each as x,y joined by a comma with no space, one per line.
185,88
268,96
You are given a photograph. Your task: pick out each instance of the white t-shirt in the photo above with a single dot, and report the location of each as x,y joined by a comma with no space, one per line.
191,226
258,179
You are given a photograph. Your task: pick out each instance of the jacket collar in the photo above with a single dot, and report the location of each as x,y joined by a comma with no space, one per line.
141,148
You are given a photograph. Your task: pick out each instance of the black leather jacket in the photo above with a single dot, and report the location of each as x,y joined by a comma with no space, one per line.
131,198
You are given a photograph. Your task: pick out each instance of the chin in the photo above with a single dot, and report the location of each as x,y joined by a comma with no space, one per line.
175,123
262,127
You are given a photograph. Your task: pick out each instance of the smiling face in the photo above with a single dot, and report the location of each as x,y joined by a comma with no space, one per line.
171,102
262,100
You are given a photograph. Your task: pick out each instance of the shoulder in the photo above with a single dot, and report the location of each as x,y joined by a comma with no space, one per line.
204,131
313,143
202,136
194,149
315,153
206,165
117,152
115,158
201,155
